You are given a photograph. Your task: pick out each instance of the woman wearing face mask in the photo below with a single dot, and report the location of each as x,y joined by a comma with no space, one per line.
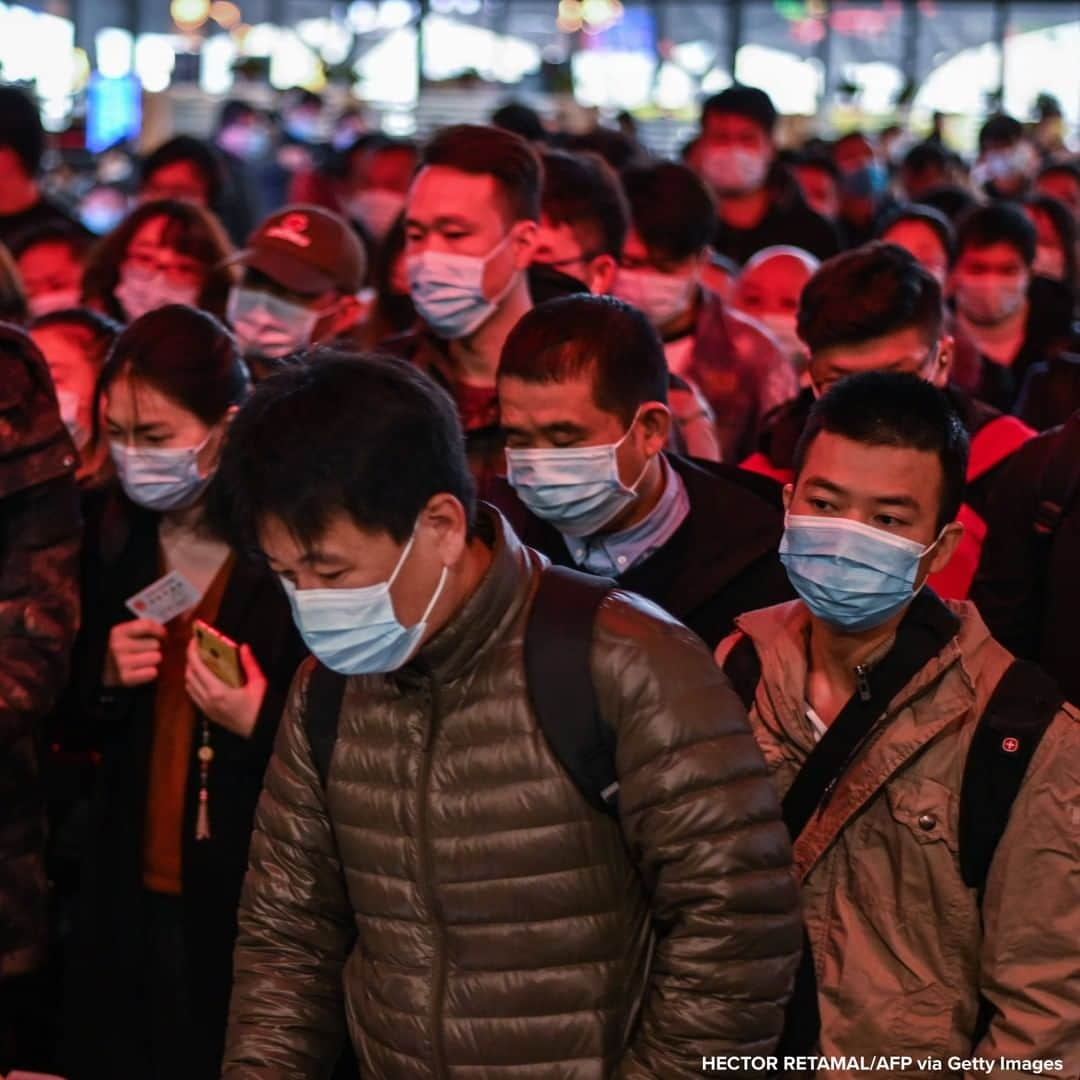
75,343
1055,250
164,252
183,754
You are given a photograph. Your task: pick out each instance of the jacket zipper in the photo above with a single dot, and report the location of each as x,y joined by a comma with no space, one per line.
427,888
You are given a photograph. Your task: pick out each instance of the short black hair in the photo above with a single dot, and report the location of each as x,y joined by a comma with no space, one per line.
866,293
55,231
746,101
997,223
192,150
889,408
490,151
999,130
810,159
521,119
20,128
1064,226
616,148
927,155
930,217
582,191
366,435
234,110
951,199
671,208
565,338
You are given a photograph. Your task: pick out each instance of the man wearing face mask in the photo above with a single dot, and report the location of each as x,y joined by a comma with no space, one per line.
303,268
758,202
470,235
421,861
1016,320
738,366
934,832
583,391
864,188
1007,161
877,309
378,171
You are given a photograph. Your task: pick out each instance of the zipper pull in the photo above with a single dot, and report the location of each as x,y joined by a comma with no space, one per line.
862,682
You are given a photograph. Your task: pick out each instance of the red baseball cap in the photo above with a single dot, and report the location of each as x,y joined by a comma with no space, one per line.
307,250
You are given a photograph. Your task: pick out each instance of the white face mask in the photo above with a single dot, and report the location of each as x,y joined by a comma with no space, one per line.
448,290
989,299
376,210
267,326
55,300
160,479
662,297
138,294
734,171
1049,263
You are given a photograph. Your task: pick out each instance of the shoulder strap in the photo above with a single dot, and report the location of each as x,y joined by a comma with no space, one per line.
1009,731
558,639
742,666
994,442
1060,482
925,630
325,693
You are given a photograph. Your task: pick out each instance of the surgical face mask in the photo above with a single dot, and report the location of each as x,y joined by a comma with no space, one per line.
448,290
734,171
267,326
866,182
850,575
376,210
245,141
989,298
785,329
101,216
54,300
576,489
355,631
160,479
69,413
138,294
662,297
1049,263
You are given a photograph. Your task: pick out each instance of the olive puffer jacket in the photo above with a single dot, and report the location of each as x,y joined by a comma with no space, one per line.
482,918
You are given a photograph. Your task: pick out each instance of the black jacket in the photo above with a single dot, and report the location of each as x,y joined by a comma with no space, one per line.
120,558
721,562
1028,585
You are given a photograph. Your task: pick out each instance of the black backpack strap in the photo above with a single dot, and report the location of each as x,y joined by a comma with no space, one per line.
558,640
1060,481
926,629
325,693
1009,731
742,666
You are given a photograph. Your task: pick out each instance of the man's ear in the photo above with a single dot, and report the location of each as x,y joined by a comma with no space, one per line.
946,547
654,420
443,517
525,235
944,361
600,275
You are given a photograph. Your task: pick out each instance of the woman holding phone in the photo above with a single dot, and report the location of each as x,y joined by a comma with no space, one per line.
183,754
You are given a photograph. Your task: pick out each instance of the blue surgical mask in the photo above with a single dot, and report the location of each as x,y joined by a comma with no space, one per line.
577,489
139,294
662,297
355,631
268,326
160,479
867,181
848,574
448,290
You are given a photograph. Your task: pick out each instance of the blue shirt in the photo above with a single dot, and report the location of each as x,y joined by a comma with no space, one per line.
613,554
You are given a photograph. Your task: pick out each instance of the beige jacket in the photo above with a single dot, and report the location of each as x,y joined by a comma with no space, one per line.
900,952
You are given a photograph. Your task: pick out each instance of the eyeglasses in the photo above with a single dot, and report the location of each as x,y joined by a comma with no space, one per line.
146,265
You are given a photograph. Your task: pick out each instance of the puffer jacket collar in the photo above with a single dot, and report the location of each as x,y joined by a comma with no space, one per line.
938,697
505,587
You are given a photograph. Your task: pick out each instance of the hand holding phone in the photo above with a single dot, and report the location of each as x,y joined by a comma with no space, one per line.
224,680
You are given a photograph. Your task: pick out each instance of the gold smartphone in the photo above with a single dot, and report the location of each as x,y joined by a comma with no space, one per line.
220,654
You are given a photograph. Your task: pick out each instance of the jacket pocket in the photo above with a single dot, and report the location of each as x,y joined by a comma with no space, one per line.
927,810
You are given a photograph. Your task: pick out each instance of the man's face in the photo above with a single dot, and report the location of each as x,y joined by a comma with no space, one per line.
905,350
728,131
50,267
854,154
924,243
457,213
819,190
347,556
180,180
546,416
670,297
896,489
562,248
998,271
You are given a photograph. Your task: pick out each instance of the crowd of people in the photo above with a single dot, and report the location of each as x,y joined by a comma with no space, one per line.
520,607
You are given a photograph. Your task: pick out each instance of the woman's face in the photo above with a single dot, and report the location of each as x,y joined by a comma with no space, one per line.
148,255
139,415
